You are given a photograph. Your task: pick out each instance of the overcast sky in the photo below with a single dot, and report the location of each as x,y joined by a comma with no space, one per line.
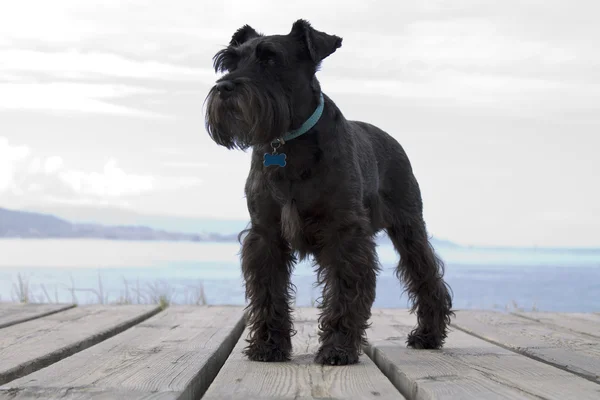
496,103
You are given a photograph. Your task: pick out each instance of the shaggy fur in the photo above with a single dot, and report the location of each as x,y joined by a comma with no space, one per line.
344,181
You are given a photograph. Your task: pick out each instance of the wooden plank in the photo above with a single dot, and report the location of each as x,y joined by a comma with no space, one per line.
554,345
300,378
32,345
466,368
15,313
586,323
173,355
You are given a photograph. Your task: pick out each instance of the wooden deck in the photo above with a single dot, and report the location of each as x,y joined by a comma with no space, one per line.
189,352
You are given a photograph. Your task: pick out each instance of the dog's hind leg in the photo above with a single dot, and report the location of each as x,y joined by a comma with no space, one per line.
422,271
267,263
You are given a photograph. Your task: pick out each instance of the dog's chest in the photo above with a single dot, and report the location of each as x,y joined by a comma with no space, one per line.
299,193
299,180
302,187
301,219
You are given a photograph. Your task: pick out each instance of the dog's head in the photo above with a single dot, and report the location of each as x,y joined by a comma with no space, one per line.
268,86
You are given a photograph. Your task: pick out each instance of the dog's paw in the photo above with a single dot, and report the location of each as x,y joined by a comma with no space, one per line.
329,355
420,340
266,353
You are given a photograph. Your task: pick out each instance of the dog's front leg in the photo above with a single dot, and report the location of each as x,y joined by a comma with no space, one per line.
348,269
267,263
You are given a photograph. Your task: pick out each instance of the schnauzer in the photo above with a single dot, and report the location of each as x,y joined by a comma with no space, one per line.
318,185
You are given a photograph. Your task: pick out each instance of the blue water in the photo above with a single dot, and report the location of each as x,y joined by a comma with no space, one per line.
546,280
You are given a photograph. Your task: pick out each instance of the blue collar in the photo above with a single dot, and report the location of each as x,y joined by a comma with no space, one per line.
306,126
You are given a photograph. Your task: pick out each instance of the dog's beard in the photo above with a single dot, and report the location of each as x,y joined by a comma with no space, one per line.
248,117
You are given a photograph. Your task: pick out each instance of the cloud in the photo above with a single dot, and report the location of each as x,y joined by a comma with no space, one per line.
53,164
500,99
71,97
180,182
111,182
59,82
22,174
31,21
169,151
458,52
10,158
515,96
94,64
176,164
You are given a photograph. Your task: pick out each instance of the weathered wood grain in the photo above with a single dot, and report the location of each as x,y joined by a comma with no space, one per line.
466,368
300,378
554,345
35,344
173,355
15,313
587,323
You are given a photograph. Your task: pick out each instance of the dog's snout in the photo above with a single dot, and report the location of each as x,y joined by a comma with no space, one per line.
225,87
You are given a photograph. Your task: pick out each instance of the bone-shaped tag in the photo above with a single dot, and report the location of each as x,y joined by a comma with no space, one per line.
274,159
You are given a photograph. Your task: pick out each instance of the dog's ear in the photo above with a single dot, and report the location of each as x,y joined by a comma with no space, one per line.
227,59
319,44
242,35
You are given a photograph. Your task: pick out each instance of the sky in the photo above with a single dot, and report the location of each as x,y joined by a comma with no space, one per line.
496,103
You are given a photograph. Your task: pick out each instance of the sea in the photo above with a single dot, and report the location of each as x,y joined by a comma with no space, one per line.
108,271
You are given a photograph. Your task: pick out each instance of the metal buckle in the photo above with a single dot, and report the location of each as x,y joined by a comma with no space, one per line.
277,144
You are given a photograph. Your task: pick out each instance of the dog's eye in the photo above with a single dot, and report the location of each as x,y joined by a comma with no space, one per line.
266,54
231,66
230,63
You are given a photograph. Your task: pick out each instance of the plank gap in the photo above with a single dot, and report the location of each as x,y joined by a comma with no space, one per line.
401,382
206,376
12,319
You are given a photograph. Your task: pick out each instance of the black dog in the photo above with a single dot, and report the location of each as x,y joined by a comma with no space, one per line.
320,185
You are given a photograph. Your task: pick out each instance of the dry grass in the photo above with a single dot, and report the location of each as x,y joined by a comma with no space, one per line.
513,306
158,292
21,290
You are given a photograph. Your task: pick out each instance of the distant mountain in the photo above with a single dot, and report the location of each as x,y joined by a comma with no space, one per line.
118,216
382,238
114,223
23,224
